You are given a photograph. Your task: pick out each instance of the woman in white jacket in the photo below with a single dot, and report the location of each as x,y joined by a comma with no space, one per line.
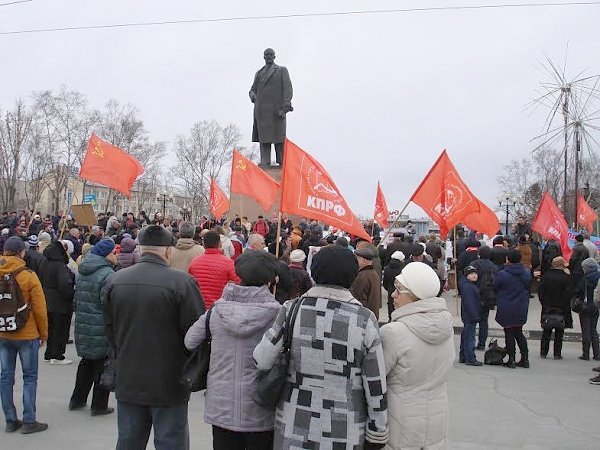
419,351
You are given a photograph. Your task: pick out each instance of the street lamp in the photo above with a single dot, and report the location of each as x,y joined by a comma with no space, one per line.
186,212
506,201
164,196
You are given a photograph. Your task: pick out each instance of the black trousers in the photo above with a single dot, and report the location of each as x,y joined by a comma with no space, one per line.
589,333
88,375
234,440
512,335
58,335
558,341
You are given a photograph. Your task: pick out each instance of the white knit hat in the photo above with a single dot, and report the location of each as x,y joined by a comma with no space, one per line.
398,255
297,256
420,279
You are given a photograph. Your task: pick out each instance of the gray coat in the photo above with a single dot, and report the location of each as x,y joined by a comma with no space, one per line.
237,323
273,89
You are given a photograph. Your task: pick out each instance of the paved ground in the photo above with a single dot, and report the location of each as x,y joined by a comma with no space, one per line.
550,406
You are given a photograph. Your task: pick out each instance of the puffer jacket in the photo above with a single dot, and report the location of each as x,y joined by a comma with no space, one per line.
470,301
296,238
56,279
512,295
90,339
212,271
183,253
237,323
128,255
419,352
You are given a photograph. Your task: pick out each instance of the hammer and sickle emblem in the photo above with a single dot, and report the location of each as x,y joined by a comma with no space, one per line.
98,151
241,165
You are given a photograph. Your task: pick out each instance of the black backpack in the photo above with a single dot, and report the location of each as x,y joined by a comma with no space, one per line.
486,289
14,311
494,355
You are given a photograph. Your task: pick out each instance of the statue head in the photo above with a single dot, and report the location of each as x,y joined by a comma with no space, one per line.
269,56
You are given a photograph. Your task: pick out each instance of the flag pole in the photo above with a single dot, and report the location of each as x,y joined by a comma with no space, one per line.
393,224
456,296
277,245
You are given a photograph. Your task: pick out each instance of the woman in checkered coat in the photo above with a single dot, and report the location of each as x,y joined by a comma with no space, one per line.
335,395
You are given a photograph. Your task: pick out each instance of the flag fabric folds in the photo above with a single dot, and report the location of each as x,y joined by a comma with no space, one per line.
248,179
308,190
585,213
110,166
382,212
219,203
484,221
444,196
551,224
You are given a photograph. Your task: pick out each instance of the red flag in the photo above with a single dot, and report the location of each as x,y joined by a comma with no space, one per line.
219,203
444,196
308,190
109,165
248,179
484,221
585,214
550,223
382,212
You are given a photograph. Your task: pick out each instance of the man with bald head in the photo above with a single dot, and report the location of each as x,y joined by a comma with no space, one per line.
271,94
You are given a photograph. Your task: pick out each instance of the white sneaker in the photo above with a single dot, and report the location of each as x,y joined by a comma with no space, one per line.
60,362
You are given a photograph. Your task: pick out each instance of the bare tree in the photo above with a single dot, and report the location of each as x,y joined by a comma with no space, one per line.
203,155
14,133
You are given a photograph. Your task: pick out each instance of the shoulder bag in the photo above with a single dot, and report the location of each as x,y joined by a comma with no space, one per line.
270,383
195,370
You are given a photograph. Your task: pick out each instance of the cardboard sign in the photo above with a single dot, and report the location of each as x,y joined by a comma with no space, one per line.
84,215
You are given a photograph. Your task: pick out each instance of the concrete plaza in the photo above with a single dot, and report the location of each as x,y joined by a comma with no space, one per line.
550,406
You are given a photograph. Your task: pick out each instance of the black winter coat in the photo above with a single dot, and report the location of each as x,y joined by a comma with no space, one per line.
499,254
56,279
465,259
580,252
33,260
148,309
550,251
555,294
391,271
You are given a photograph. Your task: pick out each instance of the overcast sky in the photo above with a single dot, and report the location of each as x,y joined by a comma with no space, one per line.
376,97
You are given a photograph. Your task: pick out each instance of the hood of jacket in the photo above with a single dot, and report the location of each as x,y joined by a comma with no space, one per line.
593,277
395,263
128,245
246,309
429,319
56,252
8,264
518,270
91,263
185,243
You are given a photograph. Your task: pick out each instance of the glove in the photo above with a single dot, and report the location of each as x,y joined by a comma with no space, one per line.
371,446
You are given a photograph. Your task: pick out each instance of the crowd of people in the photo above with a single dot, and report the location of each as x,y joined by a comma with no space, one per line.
145,293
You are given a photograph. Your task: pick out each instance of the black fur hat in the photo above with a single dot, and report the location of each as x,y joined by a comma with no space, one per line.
334,265
256,267
156,236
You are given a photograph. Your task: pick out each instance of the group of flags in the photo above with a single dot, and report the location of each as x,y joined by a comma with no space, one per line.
308,190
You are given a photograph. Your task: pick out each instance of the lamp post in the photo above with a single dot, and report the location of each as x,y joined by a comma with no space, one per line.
164,196
506,201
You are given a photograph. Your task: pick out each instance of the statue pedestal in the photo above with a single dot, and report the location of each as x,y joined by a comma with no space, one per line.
248,207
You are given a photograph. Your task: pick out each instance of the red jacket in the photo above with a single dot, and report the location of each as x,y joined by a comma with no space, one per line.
212,271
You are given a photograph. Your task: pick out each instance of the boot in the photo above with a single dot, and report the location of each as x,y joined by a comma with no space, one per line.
524,362
511,362
558,348
596,349
545,346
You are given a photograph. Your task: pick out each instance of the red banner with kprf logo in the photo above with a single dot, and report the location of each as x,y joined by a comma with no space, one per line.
585,214
444,195
219,203
551,224
382,212
307,190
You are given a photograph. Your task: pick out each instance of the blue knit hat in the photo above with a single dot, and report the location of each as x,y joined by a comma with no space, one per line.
103,247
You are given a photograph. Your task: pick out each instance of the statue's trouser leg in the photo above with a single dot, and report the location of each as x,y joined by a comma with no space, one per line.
279,153
265,154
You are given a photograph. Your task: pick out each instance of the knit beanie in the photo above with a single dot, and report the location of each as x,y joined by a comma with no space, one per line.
398,255
103,247
420,279
14,245
297,256
44,237
334,265
589,265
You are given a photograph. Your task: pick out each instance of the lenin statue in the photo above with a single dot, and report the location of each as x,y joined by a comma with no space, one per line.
271,94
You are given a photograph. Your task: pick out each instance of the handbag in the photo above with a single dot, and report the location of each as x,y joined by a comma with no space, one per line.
195,370
550,321
269,384
577,304
494,355
108,379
